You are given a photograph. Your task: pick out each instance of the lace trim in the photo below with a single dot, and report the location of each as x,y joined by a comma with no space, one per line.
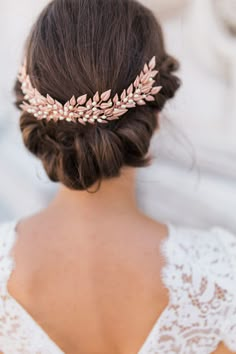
228,241
7,262
202,290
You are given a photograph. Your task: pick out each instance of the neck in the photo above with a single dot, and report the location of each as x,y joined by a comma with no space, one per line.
115,197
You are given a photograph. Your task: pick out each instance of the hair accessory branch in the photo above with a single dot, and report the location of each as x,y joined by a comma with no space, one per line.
101,108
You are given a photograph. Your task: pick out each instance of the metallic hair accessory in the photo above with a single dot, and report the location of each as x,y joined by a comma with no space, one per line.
102,108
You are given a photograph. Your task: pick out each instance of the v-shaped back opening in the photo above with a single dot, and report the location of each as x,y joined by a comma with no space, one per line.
28,318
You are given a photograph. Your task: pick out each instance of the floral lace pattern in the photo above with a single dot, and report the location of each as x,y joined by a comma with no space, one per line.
200,274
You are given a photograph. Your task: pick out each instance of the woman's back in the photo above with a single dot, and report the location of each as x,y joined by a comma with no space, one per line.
94,289
98,291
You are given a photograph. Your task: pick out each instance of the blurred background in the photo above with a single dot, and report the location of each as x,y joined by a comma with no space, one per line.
192,180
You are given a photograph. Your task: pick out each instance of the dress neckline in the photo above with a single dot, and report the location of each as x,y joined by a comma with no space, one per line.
29,318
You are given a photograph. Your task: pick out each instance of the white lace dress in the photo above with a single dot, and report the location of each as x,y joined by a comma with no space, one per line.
200,274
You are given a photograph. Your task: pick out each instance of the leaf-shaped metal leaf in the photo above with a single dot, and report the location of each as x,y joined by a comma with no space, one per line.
81,121
59,105
113,118
152,63
153,73
155,90
103,121
146,77
130,89
81,109
73,101
99,112
91,121
105,105
82,99
120,112
141,102
123,95
130,105
150,98
146,89
116,98
106,95
109,111
137,98
89,112
146,69
137,81
89,103
148,84
96,97
50,99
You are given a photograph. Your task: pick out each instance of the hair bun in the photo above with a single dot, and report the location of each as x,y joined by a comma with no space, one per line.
99,51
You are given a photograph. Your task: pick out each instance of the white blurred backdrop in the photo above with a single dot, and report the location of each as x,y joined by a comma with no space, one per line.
193,177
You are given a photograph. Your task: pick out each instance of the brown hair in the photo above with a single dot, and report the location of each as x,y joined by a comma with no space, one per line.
84,46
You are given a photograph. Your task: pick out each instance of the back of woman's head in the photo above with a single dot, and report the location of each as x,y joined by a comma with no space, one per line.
79,47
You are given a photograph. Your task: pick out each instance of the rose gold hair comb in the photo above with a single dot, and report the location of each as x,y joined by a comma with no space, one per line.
102,108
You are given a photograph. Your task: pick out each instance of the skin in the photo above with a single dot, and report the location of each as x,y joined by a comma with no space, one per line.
88,270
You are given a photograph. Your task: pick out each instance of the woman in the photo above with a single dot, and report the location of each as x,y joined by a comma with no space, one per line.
91,273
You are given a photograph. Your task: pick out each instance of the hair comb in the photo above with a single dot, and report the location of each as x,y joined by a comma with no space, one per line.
101,108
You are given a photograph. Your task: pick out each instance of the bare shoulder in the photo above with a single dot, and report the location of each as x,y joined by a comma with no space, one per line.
43,238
